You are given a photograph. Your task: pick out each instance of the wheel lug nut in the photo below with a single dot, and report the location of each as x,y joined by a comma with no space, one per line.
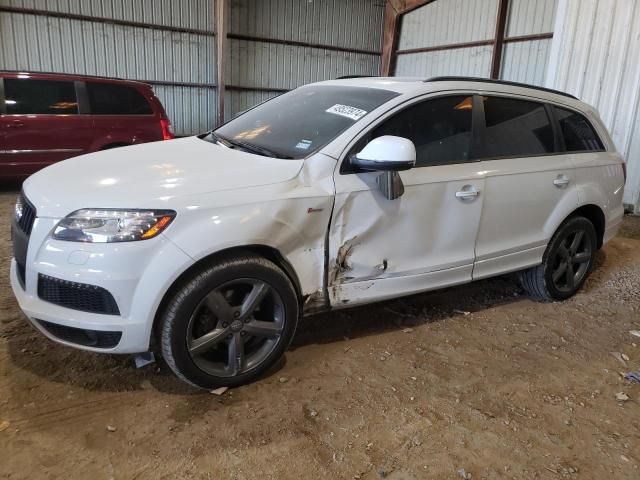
247,320
236,314
229,337
242,334
225,324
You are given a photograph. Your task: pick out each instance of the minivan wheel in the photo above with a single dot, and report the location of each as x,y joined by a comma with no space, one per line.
566,263
229,323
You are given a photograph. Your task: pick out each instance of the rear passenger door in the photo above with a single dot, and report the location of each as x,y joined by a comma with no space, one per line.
120,114
42,125
528,179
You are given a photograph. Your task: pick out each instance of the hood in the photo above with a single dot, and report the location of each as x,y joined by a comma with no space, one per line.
150,175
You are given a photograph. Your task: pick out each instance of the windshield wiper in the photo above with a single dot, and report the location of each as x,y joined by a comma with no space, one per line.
212,137
265,152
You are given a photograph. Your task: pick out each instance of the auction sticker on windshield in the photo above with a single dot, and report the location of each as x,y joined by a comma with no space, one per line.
346,111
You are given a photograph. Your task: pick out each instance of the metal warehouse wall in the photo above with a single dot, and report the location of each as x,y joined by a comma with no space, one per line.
457,37
527,61
595,57
169,43
447,22
278,45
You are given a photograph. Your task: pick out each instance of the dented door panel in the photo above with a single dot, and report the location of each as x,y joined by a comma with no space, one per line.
403,241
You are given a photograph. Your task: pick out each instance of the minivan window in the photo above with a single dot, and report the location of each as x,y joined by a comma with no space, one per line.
579,135
440,129
112,99
516,128
28,96
299,122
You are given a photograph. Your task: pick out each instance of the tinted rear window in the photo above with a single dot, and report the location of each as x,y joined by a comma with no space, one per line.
112,99
579,135
27,96
516,128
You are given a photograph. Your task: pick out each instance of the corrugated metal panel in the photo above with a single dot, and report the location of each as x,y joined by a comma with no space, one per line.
474,61
269,65
42,43
350,25
526,61
594,56
71,46
192,110
528,17
353,24
448,22
193,14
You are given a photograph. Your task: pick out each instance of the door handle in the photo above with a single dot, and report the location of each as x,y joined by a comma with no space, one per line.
562,181
468,192
16,124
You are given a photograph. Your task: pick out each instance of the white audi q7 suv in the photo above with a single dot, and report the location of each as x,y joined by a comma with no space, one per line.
335,194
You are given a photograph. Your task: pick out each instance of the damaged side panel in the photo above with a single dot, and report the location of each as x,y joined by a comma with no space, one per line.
291,217
381,248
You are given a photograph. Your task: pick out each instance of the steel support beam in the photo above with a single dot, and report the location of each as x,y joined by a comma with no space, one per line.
498,47
393,11
222,13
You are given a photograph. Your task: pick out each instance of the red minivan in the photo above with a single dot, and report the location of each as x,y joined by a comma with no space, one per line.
48,117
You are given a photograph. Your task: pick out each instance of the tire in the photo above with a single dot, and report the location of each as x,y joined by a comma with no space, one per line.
229,323
548,281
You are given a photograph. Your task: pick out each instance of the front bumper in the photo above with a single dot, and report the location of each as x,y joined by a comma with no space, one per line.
134,334
137,274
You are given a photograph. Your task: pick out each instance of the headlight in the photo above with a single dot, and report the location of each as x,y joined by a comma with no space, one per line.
105,226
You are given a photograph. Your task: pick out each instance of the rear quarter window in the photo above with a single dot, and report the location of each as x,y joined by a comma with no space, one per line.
113,99
578,133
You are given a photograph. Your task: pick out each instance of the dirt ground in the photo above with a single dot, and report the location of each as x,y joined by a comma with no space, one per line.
476,381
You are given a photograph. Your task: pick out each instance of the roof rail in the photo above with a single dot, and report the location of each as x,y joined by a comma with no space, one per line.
499,82
38,72
345,77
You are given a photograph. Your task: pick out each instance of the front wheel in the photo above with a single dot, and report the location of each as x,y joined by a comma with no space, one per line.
566,263
229,323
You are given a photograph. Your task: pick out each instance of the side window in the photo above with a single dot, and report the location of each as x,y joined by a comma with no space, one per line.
27,96
579,135
516,128
440,129
112,99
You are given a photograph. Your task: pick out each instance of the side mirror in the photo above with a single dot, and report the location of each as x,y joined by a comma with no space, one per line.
389,155
386,154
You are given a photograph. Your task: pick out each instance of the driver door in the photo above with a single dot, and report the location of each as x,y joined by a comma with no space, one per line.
380,248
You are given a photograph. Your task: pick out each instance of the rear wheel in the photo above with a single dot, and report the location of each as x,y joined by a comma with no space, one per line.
229,323
566,263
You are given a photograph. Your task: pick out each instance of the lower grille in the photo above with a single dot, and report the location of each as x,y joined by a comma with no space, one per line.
80,336
78,296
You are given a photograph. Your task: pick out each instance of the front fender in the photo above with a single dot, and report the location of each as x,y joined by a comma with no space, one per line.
294,227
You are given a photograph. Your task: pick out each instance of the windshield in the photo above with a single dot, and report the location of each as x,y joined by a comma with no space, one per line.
300,122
